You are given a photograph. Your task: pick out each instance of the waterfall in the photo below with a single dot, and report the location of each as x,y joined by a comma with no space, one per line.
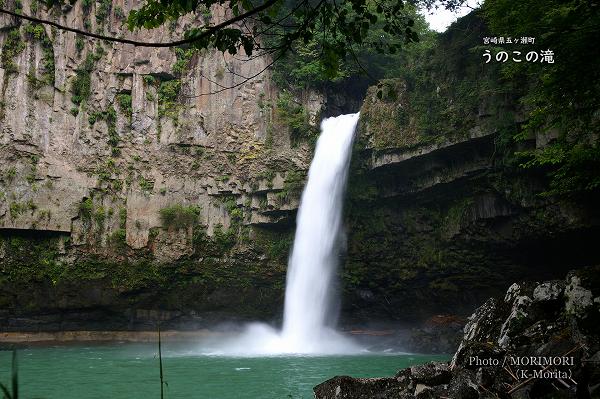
313,261
308,311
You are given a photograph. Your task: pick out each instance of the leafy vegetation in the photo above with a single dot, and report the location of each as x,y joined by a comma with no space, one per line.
179,216
125,104
292,185
13,46
86,208
268,175
10,174
103,8
168,92
146,185
330,31
292,114
183,59
569,29
82,83
110,117
223,240
16,209
235,212
36,32
304,67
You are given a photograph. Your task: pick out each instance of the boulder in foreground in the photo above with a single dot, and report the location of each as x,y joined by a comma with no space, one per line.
541,341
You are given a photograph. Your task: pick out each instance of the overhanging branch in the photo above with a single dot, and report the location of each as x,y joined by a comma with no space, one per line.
208,32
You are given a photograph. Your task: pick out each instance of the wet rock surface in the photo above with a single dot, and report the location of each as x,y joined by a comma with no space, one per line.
439,334
541,341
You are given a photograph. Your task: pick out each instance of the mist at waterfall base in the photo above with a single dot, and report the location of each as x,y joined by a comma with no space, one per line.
258,361
309,312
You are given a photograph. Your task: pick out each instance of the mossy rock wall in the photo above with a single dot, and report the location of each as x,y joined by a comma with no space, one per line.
439,214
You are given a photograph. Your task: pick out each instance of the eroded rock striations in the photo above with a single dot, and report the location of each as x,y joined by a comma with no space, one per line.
128,195
125,188
534,343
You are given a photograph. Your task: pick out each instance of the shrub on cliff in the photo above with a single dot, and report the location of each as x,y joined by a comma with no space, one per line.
179,216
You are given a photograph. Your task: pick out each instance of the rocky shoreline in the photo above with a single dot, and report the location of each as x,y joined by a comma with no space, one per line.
541,341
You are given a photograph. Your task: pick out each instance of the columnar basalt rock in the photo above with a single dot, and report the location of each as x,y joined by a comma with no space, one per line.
92,154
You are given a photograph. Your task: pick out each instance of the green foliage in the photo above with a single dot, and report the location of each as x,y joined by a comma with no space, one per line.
100,217
573,167
330,31
79,44
113,136
125,104
235,211
87,5
10,174
223,240
35,31
94,116
179,216
183,59
268,175
292,185
16,209
119,14
563,97
145,184
168,92
376,57
102,11
13,46
278,248
149,80
48,66
439,93
82,83
292,114
86,208
119,238
31,205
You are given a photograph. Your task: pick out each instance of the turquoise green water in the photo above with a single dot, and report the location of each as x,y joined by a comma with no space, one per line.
131,371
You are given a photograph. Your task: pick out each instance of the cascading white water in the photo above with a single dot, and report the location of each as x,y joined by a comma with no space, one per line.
313,262
314,256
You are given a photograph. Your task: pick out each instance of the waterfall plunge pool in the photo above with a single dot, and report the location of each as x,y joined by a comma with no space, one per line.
130,370
261,362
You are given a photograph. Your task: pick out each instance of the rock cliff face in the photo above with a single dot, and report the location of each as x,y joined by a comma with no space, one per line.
123,182
128,195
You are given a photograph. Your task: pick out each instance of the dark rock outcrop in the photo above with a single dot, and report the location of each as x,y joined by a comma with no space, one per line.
539,341
439,334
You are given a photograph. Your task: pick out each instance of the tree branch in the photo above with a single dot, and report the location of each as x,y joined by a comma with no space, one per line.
245,80
208,32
